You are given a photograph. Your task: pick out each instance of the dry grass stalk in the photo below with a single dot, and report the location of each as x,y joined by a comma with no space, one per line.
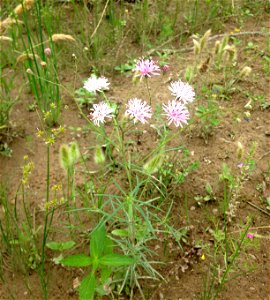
57,37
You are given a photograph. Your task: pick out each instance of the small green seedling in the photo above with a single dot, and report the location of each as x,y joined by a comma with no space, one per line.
102,260
60,246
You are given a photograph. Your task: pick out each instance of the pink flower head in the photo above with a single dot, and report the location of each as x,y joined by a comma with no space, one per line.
182,91
165,68
138,110
250,236
146,68
176,112
48,51
100,112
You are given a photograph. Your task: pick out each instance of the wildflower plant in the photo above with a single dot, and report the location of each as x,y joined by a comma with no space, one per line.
114,126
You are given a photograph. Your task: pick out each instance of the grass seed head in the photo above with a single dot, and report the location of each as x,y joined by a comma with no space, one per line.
197,47
65,161
23,57
217,47
5,38
27,4
154,164
204,39
245,72
57,37
99,156
7,23
74,152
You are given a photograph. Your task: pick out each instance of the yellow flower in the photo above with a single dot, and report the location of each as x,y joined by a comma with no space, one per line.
53,106
57,187
203,257
40,133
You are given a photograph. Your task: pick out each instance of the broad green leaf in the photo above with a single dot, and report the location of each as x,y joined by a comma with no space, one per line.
87,287
60,246
97,241
108,246
77,260
115,260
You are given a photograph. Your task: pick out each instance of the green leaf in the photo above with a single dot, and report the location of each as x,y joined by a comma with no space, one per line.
115,260
87,287
60,246
105,274
108,246
77,260
120,232
97,241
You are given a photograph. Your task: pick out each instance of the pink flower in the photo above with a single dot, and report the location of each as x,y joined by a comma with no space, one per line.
146,68
250,236
100,112
182,91
176,112
165,68
138,110
48,51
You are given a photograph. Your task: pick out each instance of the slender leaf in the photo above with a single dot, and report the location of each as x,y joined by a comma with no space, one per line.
115,260
77,260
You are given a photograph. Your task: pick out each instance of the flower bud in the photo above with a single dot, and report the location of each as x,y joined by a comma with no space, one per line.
48,51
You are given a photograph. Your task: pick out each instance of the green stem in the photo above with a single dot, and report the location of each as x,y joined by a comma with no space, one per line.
45,230
148,90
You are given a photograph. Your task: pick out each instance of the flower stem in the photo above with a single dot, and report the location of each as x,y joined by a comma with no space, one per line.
148,90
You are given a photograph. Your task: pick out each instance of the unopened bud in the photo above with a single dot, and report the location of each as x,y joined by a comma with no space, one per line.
48,51
165,68
29,71
43,64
